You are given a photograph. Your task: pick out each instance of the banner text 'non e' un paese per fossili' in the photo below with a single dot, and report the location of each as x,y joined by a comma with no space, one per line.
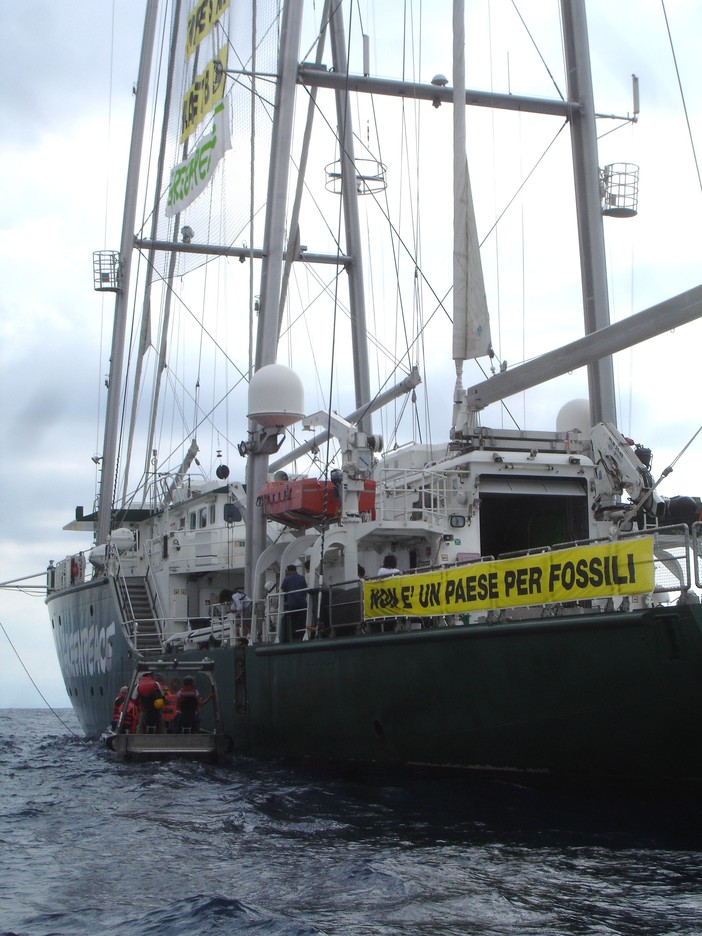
583,572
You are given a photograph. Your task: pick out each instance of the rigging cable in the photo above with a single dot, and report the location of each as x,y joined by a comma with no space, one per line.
50,707
680,454
538,51
682,94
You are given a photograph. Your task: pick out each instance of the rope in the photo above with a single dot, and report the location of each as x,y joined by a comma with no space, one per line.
682,94
681,453
51,708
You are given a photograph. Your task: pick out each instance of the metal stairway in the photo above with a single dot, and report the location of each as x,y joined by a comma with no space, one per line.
139,612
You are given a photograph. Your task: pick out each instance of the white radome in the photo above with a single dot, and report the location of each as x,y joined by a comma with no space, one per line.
276,396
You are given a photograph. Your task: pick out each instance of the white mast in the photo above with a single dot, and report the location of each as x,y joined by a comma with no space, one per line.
471,322
263,444
114,391
349,199
583,135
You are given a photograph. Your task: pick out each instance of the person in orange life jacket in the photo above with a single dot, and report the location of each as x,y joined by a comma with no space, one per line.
168,712
188,703
149,699
294,588
131,715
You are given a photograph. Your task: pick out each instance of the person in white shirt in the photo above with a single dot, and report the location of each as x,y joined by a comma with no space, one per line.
389,567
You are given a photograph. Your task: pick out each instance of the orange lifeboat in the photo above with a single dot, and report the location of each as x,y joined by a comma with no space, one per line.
306,502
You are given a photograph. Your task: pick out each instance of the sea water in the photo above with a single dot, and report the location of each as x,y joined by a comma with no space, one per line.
89,845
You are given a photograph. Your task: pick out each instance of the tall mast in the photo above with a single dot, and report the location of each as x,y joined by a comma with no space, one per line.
349,198
272,271
583,135
150,267
114,390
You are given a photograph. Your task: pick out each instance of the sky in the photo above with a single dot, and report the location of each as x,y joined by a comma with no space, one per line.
63,150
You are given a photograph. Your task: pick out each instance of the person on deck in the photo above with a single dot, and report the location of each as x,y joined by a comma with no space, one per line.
188,704
242,606
168,711
389,567
131,715
149,700
294,588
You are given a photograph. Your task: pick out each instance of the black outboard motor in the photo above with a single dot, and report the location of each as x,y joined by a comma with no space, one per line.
681,509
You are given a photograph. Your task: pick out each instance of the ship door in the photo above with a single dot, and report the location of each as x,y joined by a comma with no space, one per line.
525,513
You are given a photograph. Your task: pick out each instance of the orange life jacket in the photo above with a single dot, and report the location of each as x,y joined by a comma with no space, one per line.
131,717
168,712
148,690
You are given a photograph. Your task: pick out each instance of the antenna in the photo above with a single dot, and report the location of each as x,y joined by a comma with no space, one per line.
635,92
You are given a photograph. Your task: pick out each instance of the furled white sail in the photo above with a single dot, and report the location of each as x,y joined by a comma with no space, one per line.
471,325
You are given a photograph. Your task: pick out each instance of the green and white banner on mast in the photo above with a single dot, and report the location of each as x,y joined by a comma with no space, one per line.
191,176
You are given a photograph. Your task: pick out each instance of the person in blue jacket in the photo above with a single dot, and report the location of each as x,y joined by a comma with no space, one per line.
294,588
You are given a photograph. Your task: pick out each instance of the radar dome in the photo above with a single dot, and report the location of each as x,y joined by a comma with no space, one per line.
276,396
575,414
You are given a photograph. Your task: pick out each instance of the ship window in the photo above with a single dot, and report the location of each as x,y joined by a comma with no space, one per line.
232,514
203,517
213,513
60,621
193,520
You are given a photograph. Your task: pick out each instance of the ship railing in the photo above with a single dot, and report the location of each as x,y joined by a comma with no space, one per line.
673,553
68,572
199,634
412,495
236,623
114,570
152,590
270,624
696,531
674,549
337,610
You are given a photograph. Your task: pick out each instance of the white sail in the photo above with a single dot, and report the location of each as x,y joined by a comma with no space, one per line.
471,324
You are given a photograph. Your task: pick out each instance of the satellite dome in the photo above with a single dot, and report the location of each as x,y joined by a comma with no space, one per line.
574,415
276,396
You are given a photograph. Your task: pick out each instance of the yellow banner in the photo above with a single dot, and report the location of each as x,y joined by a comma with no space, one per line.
201,21
202,95
622,568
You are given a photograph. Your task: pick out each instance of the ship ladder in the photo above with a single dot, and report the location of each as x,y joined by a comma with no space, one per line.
138,609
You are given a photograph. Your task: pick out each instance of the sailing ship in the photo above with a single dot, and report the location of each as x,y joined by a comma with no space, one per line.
544,623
